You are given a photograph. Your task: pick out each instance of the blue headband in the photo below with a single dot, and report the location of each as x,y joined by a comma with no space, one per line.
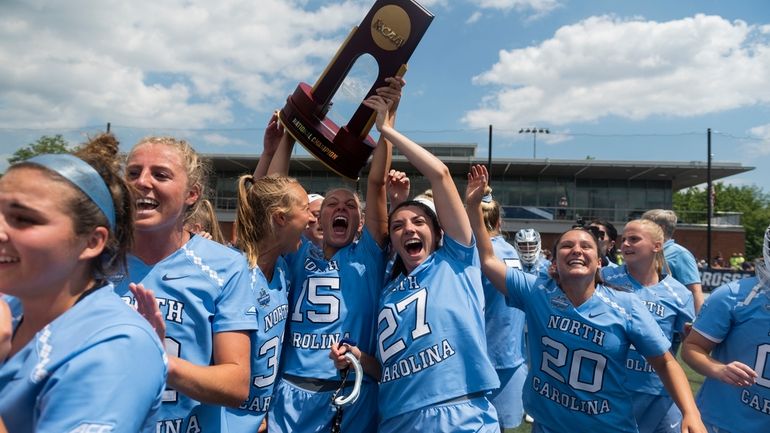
83,176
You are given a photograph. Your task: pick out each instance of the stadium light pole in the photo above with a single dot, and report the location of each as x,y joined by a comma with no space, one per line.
709,199
489,157
534,132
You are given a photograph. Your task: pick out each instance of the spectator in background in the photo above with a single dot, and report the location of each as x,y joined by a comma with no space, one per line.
680,261
719,261
561,213
607,234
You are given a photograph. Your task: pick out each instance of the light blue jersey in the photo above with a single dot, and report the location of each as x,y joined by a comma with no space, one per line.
272,310
202,288
504,325
330,300
430,337
681,263
671,305
505,342
99,366
578,354
737,318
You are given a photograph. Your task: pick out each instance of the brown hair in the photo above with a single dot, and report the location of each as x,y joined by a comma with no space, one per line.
100,152
258,201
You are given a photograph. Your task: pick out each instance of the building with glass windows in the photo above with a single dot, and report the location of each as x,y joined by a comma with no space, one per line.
530,190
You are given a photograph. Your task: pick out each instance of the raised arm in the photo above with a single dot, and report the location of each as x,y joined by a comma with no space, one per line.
273,134
376,203
494,268
449,206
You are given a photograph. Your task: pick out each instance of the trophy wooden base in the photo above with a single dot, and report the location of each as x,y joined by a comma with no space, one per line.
339,149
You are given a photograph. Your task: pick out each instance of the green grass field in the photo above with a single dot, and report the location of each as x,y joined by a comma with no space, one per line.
696,380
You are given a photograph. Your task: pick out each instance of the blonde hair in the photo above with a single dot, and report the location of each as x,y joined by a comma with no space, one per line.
206,217
258,201
656,235
195,167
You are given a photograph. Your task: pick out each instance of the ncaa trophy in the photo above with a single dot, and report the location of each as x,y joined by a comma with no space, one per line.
389,33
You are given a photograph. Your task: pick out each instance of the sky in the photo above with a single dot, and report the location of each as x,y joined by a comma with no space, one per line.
608,79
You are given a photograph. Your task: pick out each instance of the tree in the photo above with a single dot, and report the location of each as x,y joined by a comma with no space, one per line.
751,201
45,144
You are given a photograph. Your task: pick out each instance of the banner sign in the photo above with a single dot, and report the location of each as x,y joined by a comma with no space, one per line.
711,279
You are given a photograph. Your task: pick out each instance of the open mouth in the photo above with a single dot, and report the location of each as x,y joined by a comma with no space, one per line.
413,246
340,225
576,262
144,203
8,259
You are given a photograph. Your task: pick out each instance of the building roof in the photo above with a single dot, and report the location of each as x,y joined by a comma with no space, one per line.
681,174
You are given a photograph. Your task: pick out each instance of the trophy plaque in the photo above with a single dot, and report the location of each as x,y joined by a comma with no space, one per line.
390,33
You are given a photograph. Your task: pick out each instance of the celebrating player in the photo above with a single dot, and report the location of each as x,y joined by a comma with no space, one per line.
671,305
272,214
730,345
579,332
430,334
504,325
80,359
334,296
206,307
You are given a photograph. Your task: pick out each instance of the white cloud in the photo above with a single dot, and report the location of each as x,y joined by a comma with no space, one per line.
604,66
539,7
475,17
761,147
165,64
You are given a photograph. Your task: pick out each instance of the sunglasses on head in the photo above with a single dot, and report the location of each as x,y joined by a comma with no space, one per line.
596,231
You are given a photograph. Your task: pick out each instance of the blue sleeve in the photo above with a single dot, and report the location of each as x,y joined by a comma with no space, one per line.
684,268
715,318
643,331
461,253
235,306
518,284
116,381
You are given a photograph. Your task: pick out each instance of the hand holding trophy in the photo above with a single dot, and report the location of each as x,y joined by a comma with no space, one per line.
390,33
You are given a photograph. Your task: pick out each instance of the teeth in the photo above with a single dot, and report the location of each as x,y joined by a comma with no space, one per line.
412,242
6,259
144,201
